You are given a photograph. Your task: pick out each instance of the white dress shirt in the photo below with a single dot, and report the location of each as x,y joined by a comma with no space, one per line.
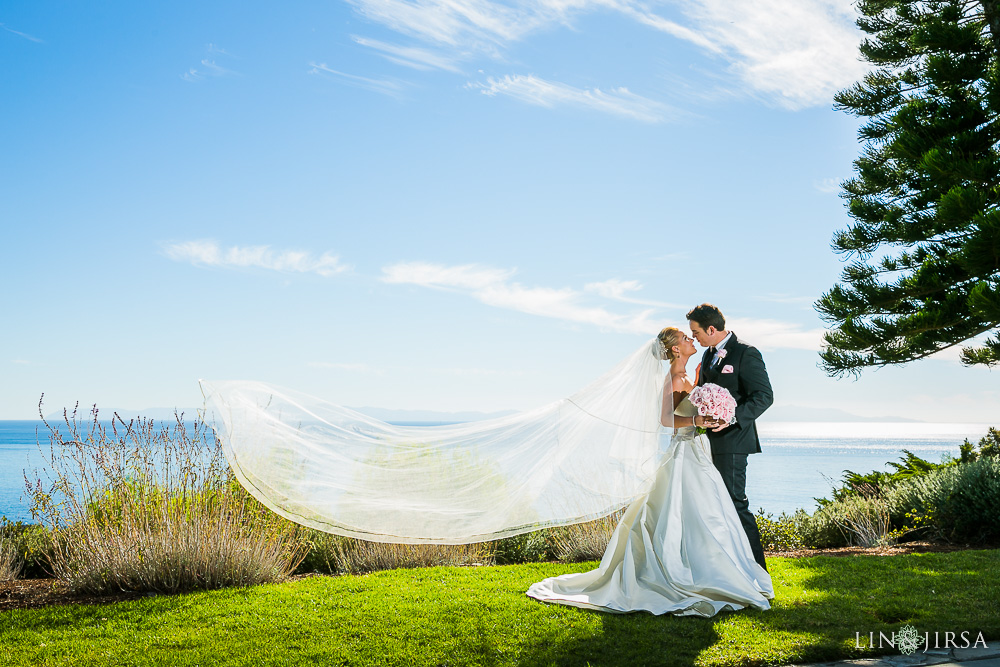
722,344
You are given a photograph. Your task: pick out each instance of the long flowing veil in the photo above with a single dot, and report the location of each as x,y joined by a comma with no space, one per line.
337,470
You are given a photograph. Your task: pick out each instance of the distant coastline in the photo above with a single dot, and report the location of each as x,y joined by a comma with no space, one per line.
796,413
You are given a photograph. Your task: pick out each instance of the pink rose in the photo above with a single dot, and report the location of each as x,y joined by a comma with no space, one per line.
714,401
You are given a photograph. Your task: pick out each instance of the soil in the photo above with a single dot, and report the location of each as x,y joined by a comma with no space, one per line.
31,593
34,593
897,550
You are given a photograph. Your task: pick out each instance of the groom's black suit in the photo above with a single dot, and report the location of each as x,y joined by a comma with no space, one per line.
742,372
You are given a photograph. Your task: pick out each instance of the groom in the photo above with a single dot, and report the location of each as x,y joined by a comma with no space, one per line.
738,367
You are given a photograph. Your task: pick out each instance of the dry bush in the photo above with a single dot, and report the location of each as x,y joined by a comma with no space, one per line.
585,541
333,554
866,520
133,506
10,559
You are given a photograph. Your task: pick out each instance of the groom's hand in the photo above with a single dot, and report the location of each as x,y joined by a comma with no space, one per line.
721,426
709,423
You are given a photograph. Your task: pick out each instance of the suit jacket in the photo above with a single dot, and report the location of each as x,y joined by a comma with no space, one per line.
749,385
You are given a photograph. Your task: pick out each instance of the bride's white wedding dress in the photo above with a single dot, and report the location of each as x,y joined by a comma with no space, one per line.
680,549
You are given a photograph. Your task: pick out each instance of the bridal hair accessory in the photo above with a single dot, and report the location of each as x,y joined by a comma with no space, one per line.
335,469
715,402
668,338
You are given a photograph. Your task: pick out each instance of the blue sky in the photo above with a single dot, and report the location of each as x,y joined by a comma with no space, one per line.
463,205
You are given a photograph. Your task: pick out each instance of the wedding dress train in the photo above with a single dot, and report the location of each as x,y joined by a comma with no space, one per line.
335,469
680,549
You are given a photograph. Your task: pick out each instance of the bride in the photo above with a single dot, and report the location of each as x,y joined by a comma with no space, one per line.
679,549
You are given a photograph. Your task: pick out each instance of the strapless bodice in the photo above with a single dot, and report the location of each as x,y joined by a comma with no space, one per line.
685,408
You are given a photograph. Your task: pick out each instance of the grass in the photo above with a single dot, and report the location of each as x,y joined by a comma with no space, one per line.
480,616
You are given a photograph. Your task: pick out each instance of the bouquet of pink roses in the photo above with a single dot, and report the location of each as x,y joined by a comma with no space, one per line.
714,401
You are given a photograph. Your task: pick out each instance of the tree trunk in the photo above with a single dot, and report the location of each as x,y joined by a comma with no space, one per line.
991,12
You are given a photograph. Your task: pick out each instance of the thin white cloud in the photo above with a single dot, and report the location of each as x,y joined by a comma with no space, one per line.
22,362
614,288
208,67
787,298
617,101
770,334
669,27
357,368
459,23
384,86
672,257
478,372
828,186
208,253
453,371
954,353
796,53
619,290
409,56
22,34
494,287
214,69
469,276
215,48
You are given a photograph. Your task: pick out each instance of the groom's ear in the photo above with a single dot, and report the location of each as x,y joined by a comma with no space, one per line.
711,331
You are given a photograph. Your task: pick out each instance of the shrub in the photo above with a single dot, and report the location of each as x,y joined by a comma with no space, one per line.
820,530
874,483
524,548
854,520
959,503
584,541
573,543
779,534
866,521
32,545
10,560
333,554
131,506
989,446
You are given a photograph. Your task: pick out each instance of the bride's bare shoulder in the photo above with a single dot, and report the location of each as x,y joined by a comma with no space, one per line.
680,383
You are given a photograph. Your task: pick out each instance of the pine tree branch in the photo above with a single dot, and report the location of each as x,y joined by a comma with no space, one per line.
926,188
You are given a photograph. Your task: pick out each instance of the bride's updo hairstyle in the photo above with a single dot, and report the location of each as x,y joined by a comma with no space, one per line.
669,337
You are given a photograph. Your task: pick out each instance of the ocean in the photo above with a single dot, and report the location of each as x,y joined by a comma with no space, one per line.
800,460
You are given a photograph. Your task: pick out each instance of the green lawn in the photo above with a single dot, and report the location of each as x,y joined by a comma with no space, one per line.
480,616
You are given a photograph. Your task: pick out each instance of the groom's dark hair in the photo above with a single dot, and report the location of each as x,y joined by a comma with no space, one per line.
707,315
